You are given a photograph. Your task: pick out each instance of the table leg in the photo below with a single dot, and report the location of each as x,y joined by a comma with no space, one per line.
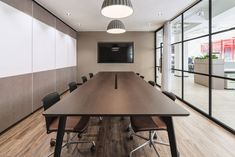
60,136
171,136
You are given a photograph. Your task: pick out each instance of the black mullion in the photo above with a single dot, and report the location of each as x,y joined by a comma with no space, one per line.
179,42
202,36
222,31
155,55
214,76
210,58
194,4
182,45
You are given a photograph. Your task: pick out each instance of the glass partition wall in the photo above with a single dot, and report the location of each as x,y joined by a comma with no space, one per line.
203,59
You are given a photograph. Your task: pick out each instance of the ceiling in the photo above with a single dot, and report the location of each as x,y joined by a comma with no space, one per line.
85,15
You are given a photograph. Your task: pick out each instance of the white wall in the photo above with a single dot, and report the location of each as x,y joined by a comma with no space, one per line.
15,41
43,47
28,45
143,53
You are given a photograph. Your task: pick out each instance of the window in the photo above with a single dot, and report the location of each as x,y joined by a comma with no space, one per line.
196,20
210,88
223,13
176,31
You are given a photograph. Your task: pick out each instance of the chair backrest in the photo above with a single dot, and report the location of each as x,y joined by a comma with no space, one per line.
72,86
170,95
152,83
84,79
91,75
142,77
48,101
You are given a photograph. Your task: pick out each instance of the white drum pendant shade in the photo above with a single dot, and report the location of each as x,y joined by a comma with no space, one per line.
117,8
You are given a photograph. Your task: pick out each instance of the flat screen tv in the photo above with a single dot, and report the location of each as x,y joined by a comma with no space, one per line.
121,52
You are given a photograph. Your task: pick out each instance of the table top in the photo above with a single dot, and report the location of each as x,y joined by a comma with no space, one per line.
116,94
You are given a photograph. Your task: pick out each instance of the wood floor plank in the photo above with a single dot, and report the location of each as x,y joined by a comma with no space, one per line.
196,137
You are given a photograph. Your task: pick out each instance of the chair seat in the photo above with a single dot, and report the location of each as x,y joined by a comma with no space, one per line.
73,124
147,123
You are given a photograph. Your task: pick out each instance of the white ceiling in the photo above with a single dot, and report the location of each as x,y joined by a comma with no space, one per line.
86,14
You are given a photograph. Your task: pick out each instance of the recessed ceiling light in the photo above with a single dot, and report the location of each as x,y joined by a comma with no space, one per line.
68,13
159,13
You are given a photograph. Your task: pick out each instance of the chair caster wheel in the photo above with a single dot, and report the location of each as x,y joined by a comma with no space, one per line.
92,148
52,143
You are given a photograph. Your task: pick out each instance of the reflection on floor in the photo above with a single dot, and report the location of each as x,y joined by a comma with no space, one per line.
196,137
223,105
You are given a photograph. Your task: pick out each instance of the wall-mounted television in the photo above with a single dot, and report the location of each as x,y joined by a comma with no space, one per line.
115,52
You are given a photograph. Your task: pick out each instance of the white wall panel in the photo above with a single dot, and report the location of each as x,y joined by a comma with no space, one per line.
72,52
15,41
61,50
43,47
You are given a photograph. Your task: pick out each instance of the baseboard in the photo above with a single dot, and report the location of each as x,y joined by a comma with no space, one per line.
11,126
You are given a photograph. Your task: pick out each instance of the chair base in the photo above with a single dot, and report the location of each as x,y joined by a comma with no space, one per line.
151,141
69,142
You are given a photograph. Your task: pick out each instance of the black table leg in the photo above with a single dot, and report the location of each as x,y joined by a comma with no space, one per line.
60,136
171,136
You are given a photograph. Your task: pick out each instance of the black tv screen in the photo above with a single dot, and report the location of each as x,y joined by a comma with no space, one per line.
116,52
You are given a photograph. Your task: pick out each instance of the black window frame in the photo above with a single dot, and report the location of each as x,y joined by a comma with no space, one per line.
209,75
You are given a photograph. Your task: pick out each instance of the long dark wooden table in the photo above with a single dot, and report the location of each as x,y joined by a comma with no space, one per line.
116,94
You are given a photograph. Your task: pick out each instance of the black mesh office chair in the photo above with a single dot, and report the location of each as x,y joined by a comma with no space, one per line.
74,124
84,79
152,83
142,77
72,86
137,73
149,124
91,75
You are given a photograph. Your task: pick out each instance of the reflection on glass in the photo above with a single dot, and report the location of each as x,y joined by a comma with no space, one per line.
176,63
223,13
223,106
159,38
159,57
176,30
176,56
176,83
196,91
196,55
196,20
159,65
159,76
224,54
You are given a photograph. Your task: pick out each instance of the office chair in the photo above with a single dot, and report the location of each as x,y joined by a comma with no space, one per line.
72,86
149,124
152,83
74,124
84,79
142,77
91,75
137,73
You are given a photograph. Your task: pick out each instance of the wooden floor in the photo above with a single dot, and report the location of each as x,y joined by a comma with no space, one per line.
196,137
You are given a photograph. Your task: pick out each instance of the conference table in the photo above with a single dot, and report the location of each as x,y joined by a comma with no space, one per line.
116,94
